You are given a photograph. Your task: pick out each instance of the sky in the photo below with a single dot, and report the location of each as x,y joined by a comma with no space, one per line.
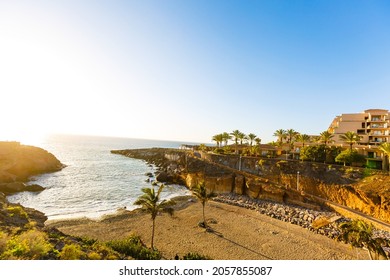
187,70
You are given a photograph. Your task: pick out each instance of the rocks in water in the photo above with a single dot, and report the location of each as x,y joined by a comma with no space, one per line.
164,177
11,188
34,188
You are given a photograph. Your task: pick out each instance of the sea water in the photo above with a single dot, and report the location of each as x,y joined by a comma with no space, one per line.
94,181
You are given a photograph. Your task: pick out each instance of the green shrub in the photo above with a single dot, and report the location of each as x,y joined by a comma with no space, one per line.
349,170
94,256
104,252
3,242
367,172
72,252
17,210
349,157
30,245
195,256
227,150
219,151
133,247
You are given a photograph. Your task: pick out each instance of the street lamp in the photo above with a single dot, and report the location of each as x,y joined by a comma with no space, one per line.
297,180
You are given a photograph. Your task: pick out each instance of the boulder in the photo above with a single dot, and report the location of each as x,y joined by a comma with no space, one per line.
34,188
12,187
15,187
164,177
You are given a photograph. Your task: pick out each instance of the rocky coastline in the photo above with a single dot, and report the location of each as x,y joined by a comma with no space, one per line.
175,166
17,164
320,222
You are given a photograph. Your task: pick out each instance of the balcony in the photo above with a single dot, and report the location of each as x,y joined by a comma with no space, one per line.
378,126
378,119
377,141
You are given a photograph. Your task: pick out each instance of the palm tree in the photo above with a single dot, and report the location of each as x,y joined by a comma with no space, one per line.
291,134
351,138
258,148
150,201
202,147
360,234
236,136
303,138
242,137
226,137
385,149
326,137
218,138
200,192
251,138
281,134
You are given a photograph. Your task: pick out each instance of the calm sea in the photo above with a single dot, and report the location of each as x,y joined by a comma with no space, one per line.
95,182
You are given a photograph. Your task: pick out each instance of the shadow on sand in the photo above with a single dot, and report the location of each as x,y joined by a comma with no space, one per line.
219,234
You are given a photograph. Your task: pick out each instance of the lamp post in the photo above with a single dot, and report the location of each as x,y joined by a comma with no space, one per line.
297,180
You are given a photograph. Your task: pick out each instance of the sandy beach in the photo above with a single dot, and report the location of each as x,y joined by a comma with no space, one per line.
238,234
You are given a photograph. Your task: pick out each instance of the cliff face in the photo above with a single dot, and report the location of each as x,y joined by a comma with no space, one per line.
277,180
19,162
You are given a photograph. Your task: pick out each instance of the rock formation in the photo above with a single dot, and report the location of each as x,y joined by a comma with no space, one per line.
276,180
19,162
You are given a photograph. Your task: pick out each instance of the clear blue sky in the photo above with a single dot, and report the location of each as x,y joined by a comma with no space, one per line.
186,70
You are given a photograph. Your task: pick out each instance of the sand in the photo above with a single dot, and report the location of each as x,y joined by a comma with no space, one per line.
238,234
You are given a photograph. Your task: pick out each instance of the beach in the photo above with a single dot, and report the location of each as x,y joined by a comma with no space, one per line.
237,234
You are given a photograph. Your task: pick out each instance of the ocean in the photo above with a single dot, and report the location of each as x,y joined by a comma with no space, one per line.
95,182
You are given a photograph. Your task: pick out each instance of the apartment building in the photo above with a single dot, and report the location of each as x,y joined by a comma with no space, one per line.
373,127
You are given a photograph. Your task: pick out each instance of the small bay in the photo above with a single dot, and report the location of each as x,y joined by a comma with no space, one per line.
94,181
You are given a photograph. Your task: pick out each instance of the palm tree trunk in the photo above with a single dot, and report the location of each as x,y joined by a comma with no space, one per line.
370,254
153,226
204,216
388,164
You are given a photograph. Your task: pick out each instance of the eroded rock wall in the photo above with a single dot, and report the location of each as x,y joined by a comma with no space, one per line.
278,180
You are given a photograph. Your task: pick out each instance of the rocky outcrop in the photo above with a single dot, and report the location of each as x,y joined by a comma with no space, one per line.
176,166
14,215
19,162
276,180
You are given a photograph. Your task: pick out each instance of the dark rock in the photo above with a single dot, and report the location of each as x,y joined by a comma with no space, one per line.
15,187
34,188
164,177
12,187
